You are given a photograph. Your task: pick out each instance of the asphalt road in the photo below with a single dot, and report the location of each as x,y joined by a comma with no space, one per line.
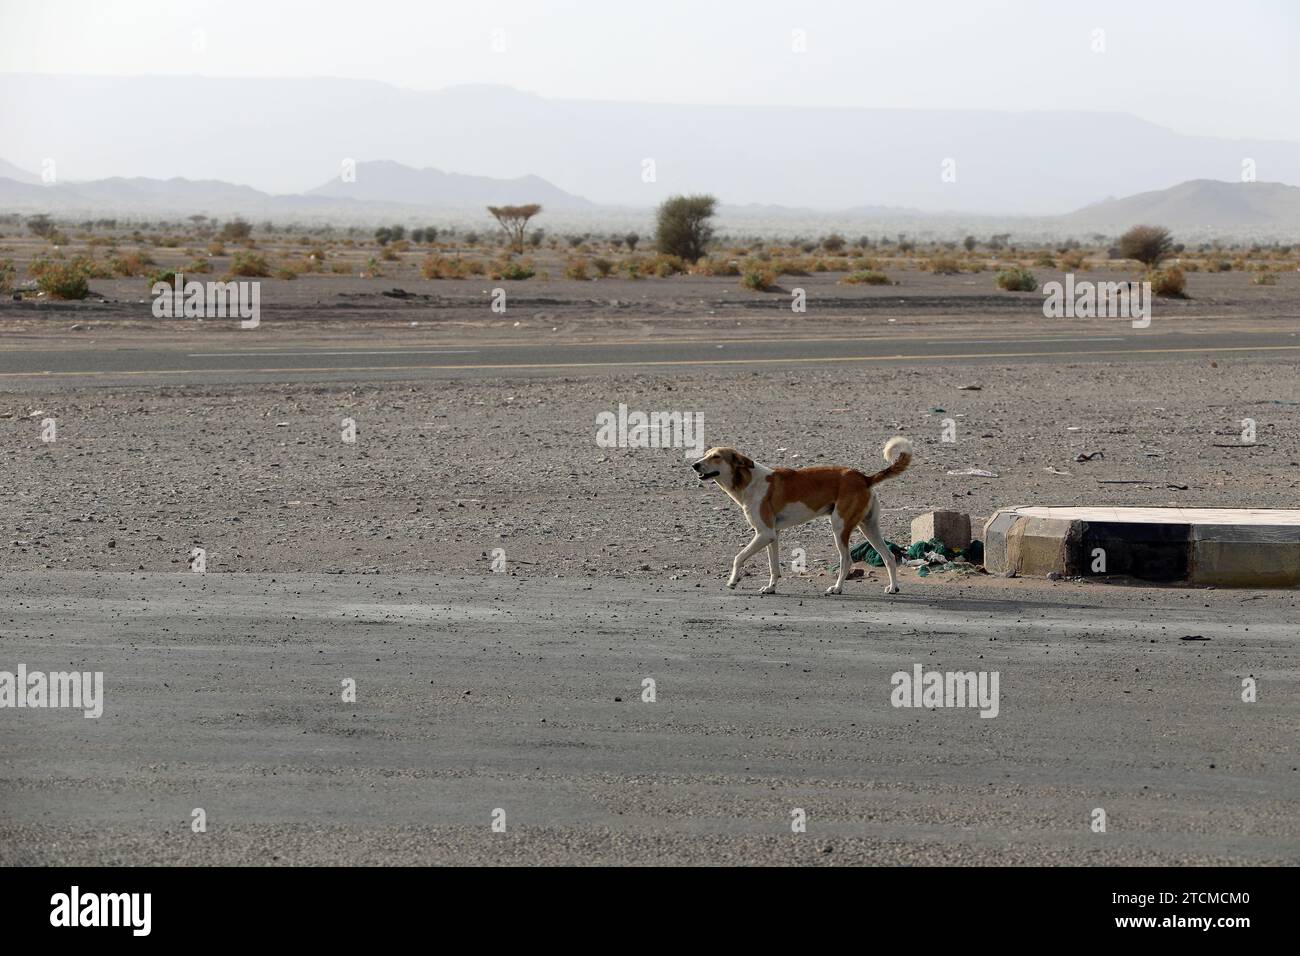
100,364
223,692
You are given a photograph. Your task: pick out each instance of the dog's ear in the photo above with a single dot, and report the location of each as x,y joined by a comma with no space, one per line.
742,467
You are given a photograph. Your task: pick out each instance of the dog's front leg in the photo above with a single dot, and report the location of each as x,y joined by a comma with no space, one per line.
773,567
761,539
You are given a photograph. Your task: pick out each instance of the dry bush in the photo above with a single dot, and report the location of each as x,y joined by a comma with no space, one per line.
1016,280
758,276
602,266
1169,283
250,265
866,277
513,271
944,266
576,269
131,264
1147,244
60,280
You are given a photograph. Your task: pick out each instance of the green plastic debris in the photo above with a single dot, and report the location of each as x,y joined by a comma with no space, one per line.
865,552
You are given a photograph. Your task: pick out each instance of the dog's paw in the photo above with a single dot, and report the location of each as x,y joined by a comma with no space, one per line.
731,585
834,589
768,589
891,589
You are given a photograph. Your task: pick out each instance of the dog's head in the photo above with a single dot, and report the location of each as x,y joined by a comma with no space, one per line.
726,466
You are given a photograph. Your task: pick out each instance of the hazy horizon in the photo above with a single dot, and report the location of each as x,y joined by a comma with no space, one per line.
1008,108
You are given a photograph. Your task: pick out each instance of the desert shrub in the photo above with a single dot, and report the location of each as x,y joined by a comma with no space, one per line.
631,239
758,277
1016,279
60,280
514,271
1072,259
1045,260
576,269
790,267
94,268
199,265
250,265
1168,282
340,269
631,267
944,266
664,266
216,248
42,226
130,264
236,230
602,266
716,266
976,266
7,273
1147,244
441,267
286,272
373,269
833,243
389,254
167,276
866,277
1264,278
683,228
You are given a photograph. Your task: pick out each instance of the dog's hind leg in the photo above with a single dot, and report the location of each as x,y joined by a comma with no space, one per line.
871,528
773,567
761,539
842,530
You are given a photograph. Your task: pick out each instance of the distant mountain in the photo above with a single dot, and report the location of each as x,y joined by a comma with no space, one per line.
381,188
9,171
290,135
387,181
1201,204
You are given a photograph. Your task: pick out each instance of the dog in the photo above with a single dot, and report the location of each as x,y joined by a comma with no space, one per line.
774,499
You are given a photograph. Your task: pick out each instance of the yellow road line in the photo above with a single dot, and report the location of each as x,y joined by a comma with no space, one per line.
827,360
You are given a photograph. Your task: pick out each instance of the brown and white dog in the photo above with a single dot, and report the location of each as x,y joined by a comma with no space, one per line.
774,499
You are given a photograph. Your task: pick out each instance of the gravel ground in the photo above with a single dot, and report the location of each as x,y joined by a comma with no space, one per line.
222,692
441,475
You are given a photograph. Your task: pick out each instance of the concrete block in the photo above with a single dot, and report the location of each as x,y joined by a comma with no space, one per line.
1224,547
950,527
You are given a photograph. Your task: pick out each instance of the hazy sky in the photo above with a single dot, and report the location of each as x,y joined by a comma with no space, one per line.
1228,68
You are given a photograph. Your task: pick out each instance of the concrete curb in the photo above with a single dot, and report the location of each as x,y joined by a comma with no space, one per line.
1202,546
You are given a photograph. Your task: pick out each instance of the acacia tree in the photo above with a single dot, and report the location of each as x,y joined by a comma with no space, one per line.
514,220
1147,244
683,228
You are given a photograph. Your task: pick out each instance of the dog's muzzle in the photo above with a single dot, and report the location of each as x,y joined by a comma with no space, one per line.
701,475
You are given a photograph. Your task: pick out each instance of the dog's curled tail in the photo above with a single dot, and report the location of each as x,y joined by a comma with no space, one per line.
898,452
